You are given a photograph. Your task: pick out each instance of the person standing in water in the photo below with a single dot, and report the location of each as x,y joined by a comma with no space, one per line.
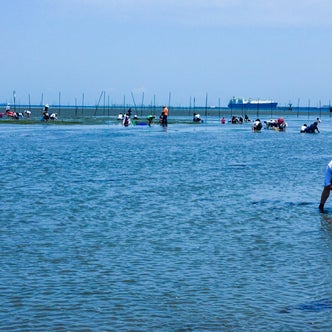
164,116
327,186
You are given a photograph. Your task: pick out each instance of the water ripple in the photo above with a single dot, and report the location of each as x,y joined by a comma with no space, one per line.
193,229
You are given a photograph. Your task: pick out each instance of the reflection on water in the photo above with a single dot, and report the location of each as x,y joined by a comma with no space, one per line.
203,227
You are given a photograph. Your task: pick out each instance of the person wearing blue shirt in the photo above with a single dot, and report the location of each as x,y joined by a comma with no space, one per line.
327,186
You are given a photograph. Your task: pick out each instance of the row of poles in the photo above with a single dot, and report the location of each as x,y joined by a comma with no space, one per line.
153,105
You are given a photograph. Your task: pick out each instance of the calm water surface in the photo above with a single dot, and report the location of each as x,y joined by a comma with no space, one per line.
199,228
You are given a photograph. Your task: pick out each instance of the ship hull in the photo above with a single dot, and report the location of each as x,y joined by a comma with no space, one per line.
253,106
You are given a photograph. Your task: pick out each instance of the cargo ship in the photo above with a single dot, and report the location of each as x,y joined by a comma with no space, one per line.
244,104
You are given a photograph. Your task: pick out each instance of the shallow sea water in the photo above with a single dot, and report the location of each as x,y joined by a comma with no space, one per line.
197,228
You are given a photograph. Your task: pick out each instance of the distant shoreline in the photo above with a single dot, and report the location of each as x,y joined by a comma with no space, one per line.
77,112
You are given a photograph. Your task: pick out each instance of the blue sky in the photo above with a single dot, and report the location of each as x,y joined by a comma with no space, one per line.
263,49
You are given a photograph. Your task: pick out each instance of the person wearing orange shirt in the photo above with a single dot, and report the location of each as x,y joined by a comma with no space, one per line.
165,115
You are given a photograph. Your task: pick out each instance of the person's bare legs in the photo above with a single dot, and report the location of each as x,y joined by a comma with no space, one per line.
325,195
